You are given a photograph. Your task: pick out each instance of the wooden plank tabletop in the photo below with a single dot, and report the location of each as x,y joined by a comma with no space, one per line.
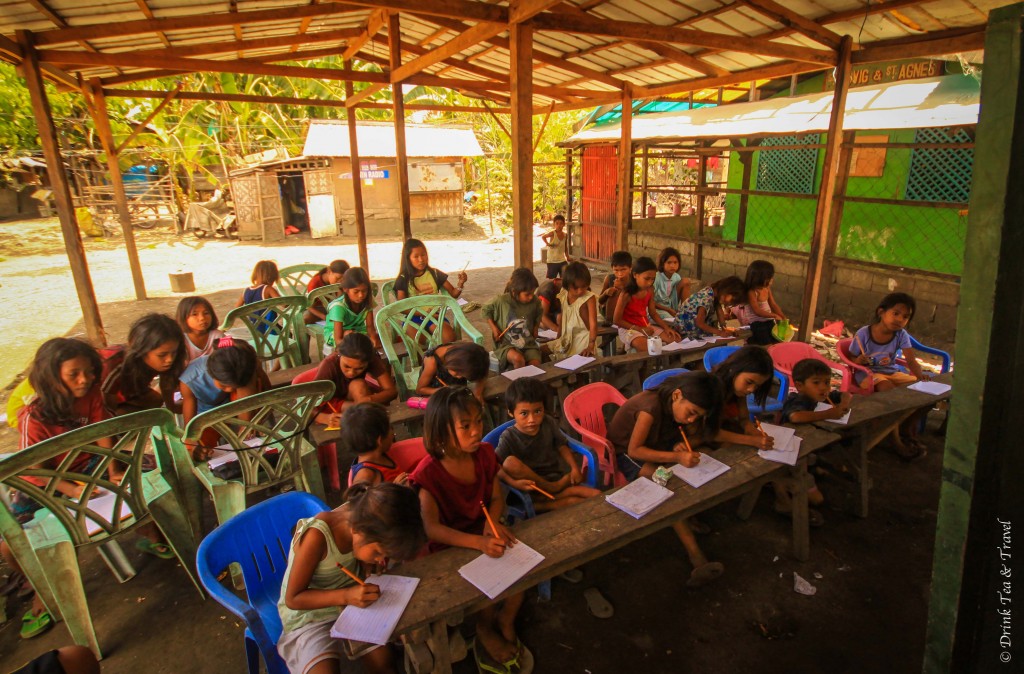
896,401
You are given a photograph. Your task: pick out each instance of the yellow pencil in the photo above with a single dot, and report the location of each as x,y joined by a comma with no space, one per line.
351,575
494,529
686,440
536,488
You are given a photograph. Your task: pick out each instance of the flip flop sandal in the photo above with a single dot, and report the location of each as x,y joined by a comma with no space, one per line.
597,605
704,574
523,662
912,450
485,664
572,576
34,625
161,550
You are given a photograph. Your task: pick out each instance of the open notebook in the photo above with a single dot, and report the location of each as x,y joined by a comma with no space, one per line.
375,623
639,497
494,575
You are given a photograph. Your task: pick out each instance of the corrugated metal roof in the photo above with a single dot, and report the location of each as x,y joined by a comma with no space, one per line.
952,100
329,138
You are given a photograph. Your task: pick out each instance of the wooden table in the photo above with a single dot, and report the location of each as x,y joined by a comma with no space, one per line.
578,534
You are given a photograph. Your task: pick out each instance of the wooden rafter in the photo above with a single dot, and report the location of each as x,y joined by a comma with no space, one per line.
374,22
149,118
469,37
12,52
791,19
209,48
468,10
524,10
233,9
144,8
351,101
929,44
57,20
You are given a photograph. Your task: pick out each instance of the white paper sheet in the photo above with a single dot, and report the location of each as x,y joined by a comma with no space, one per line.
103,506
494,575
223,454
527,371
375,623
708,469
674,346
825,407
574,362
639,497
547,334
462,302
693,343
931,387
787,445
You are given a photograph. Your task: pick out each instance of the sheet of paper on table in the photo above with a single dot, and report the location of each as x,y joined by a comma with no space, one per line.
674,346
494,575
527,371
825,407
931,387
375,623
639,497
224,454
547,334
574,362
708,469
787,445
103,506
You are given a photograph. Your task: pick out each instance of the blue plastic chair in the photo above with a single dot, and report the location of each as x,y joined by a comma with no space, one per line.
258,539
713,357
918,346
658,378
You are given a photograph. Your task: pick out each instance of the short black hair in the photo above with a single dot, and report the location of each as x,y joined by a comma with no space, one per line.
439,417
666,254
525,390
389,514
891,300
233,365
759,272
752,359
362,427
810,367
522,280
356,345
575,274
468,360
622,258
558,216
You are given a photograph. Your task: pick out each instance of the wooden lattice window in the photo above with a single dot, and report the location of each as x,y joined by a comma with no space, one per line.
941,174
791,171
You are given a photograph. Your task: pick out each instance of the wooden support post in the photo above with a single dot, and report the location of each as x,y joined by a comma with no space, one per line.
698,248
827,191
978,538
624,202
569,198
835,226
644,164
747,159
398,103
521,39
98,110
357,184
61,191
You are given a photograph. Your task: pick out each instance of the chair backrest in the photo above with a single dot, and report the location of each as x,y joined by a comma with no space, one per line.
277,424
787,354
275,326
387,292
91,517
258,539
419,315
407,454
714,356
582,407
590,467
655,380
295,279
946,360
323,295
859,378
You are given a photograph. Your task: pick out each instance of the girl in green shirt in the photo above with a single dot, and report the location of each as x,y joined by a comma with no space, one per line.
352,311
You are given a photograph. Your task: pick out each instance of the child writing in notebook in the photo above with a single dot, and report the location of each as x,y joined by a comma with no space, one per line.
458,364
417,277
198,322
664,426
457,481
635,309
534,454
704,312
813,381
760,310
877,346
155,349
614,283
577,324
348,368
514,318
670,289
352,311
376,523
366,434
327,276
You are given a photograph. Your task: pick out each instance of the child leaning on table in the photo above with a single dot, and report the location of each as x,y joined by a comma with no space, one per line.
534,453
456,480
615,282
514,318
348,367
366,433
376,523
813,381
458,364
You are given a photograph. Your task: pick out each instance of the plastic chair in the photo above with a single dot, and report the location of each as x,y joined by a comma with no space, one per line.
866,386
295,279
258,540
47,547
656,379
275,327
714,356
406,454
387,293
323,295
277,425
582,409
395,321
788,354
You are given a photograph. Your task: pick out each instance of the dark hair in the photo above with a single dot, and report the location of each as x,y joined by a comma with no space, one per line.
54,402
557,217
702,389
146,334
336,266
362,427
187,305
664,256
640,265
265,273
233,365
621,258
575,274
405,268
353,278
810,367
525,390
356,345
467,359
759,272
388,514
439,417
752,359
521,281
891,300
730,285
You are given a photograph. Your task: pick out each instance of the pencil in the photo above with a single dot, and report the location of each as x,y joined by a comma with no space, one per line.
494,529
333,408
503,333
536,488
758,424
863,351
351,575
685,440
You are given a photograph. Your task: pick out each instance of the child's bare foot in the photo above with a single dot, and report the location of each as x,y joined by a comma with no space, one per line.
495,644
815,497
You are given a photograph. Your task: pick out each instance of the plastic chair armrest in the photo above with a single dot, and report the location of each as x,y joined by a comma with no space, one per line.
590,479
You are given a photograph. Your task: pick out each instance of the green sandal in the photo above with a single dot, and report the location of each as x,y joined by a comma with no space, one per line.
34,625
486,664
161,550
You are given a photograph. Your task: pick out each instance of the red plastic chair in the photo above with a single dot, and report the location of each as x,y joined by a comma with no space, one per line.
406,454
855,369
582,410
788,354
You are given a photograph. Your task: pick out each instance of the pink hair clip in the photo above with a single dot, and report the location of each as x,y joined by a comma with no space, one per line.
225,341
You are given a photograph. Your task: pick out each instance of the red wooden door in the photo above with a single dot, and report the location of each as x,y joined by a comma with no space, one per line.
597,215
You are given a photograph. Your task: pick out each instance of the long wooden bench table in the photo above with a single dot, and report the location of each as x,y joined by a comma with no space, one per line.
575,535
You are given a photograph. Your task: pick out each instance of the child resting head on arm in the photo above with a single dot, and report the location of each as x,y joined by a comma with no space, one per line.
348,367
366,434
458,364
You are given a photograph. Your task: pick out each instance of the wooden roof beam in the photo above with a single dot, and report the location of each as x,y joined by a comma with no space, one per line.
935,43
363,94
472,36
11,52
374,22
144,8
56,19
468,10
206,49
524,10
452,62
791,19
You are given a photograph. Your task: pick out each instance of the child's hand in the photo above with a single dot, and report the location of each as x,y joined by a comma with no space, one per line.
612,291
670,336
491,546
862,360
523,485
845,400
763,441
334,420
402,479
588,351
200,453
575,476
925,376
361,595
463,277
687,458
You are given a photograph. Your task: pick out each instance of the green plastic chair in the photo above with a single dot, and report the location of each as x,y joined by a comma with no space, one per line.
278,423
275,327
316,330
387,293
46,548
395,320
295,279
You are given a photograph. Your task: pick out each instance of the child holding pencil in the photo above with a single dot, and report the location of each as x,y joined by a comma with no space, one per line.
462,503
514,318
